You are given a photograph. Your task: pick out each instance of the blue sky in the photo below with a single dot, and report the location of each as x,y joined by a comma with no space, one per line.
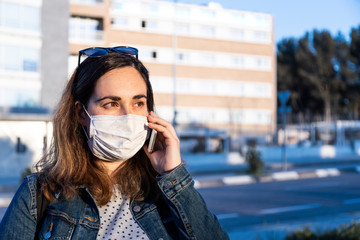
292,18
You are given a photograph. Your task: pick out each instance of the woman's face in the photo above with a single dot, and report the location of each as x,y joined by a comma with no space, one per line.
119,92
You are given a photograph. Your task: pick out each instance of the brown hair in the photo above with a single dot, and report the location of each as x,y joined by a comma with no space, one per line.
69,163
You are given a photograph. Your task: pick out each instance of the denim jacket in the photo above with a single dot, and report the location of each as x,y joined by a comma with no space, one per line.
182,215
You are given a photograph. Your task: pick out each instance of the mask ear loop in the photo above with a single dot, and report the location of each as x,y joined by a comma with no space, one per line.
87,136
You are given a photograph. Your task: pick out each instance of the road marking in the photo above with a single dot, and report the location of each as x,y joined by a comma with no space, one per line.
352,201
227,216
329,172
234,180
289,208
290,175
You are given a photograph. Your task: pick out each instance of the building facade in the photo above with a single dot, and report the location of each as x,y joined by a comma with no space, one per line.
209,66
212,67
33,54
20,81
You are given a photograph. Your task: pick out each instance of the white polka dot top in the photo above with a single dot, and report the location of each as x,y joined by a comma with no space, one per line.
117,222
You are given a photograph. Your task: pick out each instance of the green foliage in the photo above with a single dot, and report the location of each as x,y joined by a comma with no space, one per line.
322,73
253,158
344,232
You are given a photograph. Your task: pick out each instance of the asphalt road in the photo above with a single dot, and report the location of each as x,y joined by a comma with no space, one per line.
270,209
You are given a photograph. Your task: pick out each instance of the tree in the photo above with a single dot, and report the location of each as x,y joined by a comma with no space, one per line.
354,65
287,76
345,73
322,73
315,57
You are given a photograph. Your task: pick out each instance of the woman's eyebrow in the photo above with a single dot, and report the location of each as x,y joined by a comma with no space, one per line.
114,98
139,96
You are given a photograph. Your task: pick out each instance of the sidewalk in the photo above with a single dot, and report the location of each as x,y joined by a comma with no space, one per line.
221,173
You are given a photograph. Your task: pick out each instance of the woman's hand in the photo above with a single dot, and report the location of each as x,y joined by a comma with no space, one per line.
168,156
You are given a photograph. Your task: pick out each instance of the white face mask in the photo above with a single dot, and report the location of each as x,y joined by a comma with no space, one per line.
116,138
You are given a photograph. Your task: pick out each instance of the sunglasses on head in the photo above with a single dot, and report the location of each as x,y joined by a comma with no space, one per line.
95,52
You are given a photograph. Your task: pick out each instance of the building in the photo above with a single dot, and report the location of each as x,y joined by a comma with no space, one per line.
221,61
33,54
20,81
211,67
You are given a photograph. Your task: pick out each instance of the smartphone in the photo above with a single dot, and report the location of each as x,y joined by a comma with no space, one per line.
152,139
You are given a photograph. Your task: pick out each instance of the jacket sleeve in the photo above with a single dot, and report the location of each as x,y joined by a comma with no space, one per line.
19,221
189,207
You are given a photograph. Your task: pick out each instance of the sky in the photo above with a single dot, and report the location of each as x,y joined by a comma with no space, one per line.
293,18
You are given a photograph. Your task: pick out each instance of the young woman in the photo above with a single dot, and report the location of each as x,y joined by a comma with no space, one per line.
98,180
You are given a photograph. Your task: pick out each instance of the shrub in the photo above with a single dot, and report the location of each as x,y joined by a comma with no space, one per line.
344,232
253,158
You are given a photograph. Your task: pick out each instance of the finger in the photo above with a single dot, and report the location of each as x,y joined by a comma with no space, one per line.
161,129
156,119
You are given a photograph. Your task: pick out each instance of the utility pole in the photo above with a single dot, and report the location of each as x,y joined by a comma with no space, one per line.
174,68
283,97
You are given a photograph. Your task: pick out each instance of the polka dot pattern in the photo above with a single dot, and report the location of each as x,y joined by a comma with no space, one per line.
117,222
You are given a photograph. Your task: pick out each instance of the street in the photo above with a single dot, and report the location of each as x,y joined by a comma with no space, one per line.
272,208
268,210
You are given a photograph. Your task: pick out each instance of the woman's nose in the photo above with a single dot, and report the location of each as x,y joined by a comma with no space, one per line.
124,110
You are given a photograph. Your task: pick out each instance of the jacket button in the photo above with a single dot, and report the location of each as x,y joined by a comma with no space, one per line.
167,184
137,209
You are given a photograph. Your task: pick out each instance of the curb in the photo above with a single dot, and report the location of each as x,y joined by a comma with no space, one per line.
270,177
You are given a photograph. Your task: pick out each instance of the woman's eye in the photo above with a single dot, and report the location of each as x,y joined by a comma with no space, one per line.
110,104
139,104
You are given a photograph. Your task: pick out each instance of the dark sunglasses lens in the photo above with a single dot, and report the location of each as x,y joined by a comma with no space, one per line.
126,50
95,52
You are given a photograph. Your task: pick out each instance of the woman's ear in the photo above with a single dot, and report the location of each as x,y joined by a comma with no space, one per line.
81,116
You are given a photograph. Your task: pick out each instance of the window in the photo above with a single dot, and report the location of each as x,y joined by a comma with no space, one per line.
31,18
30,60
262,20
12,56
154,54
238,17
15,97
17,58
262,63
148,55
238,61
182,57
15,15
117,5
11,15
182,12
182,28
208,14
151,8
82,28
261,36
207,31
208,59
149,24
237,34
119,22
